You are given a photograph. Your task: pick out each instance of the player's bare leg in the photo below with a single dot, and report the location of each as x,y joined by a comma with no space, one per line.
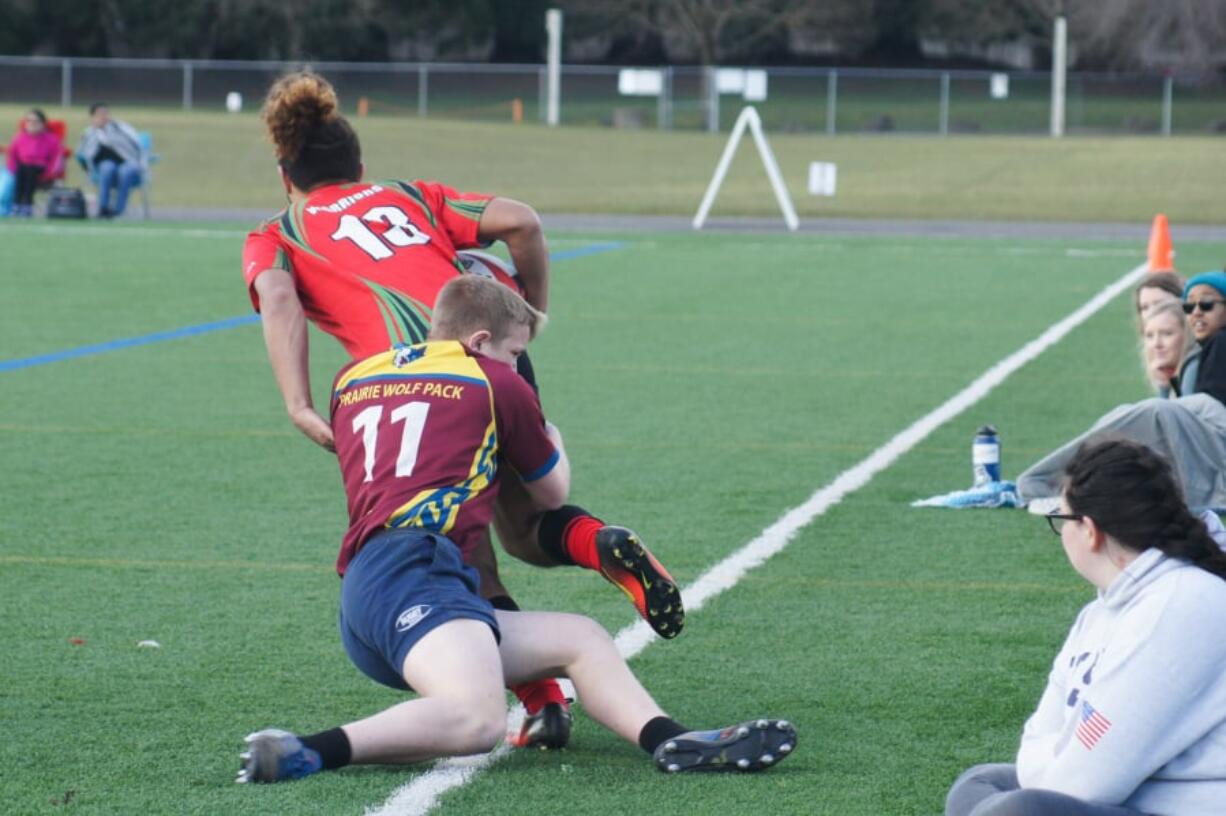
547,720
461,709
459,670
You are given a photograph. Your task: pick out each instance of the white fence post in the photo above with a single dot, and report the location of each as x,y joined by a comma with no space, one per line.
1168,95
187,85
66,84
944,116
423,90
553,26
832,101
1059,54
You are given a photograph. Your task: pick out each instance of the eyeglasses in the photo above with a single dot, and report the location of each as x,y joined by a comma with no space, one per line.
1206,306
1057,520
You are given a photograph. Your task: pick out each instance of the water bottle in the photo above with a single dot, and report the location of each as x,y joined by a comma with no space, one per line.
985,456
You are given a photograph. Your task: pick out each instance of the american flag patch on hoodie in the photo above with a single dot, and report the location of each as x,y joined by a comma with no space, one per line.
1092,726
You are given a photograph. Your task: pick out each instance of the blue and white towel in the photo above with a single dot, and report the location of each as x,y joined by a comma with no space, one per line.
991,494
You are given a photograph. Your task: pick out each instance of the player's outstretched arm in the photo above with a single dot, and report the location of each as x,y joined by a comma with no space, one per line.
550,491
519,227
285,337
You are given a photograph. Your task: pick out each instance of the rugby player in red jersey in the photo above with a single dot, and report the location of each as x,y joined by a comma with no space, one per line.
423,434
365,261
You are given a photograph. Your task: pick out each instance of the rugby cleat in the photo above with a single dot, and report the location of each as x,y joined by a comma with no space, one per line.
626,563
750,746
274,755
547,729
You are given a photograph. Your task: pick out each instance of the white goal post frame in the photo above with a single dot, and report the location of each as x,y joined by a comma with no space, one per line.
748,118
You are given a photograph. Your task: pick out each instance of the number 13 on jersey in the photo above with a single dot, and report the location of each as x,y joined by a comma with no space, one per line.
399,232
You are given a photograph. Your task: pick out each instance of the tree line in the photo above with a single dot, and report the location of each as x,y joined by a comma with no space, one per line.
1183,36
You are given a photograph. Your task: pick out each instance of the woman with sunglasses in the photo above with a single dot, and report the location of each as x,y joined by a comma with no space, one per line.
1204,302
1133,720
1189,430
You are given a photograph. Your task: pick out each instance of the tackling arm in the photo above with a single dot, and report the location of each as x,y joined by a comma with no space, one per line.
550,491
285,336
519,227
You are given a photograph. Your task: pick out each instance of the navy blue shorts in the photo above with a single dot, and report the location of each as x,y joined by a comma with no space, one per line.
400,586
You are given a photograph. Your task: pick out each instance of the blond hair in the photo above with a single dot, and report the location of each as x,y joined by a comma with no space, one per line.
471,303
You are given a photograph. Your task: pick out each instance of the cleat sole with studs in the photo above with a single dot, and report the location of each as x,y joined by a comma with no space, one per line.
745,748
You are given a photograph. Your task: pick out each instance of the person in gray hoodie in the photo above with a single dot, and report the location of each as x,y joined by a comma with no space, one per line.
1133,720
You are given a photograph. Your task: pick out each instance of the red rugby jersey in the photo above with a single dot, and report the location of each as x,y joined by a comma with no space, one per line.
368,259
420,434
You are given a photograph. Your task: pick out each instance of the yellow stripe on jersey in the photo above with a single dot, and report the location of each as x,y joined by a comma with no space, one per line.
443,365
442,360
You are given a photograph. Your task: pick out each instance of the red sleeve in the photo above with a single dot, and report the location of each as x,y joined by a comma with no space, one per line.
522,440
262,251
455,213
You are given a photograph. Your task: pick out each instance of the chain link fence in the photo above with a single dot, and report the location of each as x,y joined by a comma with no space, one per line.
805,100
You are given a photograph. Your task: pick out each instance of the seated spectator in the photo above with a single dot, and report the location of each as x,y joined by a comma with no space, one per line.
35,158
1166,340
1189,430
1204,372
112,154
1155,288
1133,719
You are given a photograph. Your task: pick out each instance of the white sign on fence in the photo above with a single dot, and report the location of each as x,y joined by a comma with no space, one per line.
748,83
640,82
755,86
823,177
1000,86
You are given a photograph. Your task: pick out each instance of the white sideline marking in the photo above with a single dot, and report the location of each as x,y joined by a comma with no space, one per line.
421,795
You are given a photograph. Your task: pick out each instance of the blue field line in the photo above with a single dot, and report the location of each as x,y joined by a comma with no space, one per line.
221,325
590,249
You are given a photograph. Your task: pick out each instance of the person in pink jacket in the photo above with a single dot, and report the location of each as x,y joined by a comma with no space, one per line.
35,157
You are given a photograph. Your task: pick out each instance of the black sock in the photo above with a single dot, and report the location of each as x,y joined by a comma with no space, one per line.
332,746
658,730
504,603
553,527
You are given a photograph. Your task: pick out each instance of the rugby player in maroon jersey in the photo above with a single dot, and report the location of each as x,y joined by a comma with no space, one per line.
423,434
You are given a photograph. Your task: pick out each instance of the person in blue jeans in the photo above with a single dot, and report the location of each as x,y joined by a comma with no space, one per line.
113,156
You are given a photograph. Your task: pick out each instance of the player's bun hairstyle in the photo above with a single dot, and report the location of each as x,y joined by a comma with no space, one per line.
314,143
470,303
1133,496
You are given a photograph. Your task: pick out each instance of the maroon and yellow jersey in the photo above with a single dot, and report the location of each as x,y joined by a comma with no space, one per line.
420,434
368,259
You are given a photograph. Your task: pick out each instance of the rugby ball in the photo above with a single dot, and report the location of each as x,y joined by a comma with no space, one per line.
476,262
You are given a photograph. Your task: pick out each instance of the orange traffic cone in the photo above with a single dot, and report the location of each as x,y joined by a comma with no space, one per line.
1161,255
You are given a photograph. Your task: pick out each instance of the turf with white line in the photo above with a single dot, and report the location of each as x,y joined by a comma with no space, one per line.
422,794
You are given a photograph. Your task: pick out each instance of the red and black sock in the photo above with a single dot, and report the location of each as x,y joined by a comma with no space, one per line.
568,536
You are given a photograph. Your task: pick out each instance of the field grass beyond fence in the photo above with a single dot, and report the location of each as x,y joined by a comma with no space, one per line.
221,160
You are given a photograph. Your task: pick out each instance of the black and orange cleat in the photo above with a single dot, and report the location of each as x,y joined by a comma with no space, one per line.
752,746
547,729
628,565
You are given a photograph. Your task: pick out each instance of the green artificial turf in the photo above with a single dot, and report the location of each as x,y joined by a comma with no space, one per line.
704,384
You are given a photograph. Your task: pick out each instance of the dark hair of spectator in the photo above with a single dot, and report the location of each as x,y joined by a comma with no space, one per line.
314,143
1132,495
38,114
1166,281
94,107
